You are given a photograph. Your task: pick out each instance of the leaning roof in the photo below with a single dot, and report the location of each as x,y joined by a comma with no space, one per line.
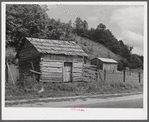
56,46
108,60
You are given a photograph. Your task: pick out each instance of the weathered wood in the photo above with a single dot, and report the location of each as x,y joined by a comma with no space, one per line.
52,73
36,72
46,75
77,78
89,71
62,57
77,74
77,64
51,69
10,73
50,80
44,70
123,75
50,61
44,59
78,59
77,69
86,65
139,75
62,71
48,65
88,74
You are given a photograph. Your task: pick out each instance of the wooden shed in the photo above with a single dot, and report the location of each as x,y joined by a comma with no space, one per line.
105,63
55,60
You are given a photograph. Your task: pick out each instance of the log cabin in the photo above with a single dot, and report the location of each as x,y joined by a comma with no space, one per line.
51,60
105,63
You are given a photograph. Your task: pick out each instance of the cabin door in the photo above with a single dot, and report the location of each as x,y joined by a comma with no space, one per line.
67,71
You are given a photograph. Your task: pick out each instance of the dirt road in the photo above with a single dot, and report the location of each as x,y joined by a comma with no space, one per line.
131,101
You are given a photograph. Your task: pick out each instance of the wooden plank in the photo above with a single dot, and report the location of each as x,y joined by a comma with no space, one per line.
50,71
60,62
51,76
72,71
35,72
63,71
77,78
85,65
49,60
50,81
54,79
90,71
50,65
77,74
77,69
77,64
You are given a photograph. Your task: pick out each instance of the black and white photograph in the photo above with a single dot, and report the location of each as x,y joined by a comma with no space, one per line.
74,60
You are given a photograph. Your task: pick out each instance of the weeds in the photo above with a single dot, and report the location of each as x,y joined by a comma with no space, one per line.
72,89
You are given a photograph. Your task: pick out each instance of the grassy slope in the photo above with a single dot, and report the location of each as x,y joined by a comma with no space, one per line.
94,49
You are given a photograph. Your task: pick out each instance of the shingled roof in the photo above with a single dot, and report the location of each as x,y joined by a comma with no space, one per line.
108,60
56,46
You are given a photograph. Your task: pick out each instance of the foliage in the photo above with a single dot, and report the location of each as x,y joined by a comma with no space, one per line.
135,61
33,21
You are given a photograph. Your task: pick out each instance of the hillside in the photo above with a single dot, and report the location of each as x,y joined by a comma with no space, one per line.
94,49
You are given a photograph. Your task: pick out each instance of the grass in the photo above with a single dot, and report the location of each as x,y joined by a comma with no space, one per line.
71,89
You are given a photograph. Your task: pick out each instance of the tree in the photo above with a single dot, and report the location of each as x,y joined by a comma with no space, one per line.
135,61
24,20
78,25
30,20
101,27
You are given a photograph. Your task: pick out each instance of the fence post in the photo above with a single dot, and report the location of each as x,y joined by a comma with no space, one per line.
10,73
34,77
123,75
139,74
105,75
97,75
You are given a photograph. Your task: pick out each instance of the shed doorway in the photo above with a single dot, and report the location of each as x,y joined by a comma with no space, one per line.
67,71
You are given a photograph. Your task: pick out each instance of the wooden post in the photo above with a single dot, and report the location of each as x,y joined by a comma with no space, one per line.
33,73
6,72
97,75
104,74
123,75
63,71
10,73
139,75
83,72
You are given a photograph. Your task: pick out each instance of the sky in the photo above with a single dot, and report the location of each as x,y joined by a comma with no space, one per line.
126,22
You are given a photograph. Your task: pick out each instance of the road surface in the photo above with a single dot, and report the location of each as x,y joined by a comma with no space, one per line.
131,101
134,103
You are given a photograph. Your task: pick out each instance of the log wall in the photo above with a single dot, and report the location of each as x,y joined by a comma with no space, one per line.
53,67
77,71
52,70
28,54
